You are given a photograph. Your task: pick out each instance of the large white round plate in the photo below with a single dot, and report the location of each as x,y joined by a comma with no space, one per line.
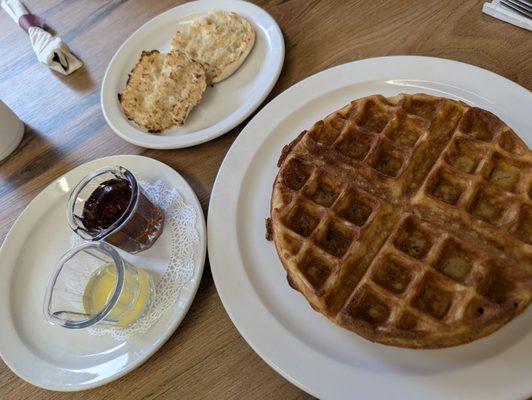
57,358
302,345
224,105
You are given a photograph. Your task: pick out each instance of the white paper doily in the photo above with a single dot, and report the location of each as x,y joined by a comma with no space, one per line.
176,246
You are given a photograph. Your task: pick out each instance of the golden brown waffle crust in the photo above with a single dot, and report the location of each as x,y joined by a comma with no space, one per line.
407,220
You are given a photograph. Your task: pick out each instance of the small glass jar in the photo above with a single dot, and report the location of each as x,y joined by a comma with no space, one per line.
93,284
110,205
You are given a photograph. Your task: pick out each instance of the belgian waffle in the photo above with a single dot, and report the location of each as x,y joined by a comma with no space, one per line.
407,220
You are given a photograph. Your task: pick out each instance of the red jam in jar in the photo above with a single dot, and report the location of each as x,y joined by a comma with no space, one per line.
116,210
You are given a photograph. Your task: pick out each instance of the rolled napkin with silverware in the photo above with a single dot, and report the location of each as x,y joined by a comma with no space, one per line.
50,50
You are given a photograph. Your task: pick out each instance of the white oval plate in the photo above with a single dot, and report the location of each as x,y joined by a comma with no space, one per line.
60,359
224,105
302,345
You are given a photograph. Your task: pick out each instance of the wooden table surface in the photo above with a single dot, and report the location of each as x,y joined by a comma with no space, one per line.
206,357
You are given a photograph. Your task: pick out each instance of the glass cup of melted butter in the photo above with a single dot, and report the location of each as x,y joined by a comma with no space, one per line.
93,284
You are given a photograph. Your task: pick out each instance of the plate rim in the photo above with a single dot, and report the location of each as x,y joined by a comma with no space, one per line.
215,259
214,4
171,327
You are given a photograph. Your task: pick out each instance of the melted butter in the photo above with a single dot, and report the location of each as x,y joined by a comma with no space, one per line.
134,301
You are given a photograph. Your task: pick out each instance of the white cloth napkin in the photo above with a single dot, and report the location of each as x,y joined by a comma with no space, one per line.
496,10
50,50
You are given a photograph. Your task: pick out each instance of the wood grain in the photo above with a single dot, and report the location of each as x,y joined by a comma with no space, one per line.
206,357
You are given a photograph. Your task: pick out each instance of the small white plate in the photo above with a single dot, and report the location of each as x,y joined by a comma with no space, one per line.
53,357
224,105
301,344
